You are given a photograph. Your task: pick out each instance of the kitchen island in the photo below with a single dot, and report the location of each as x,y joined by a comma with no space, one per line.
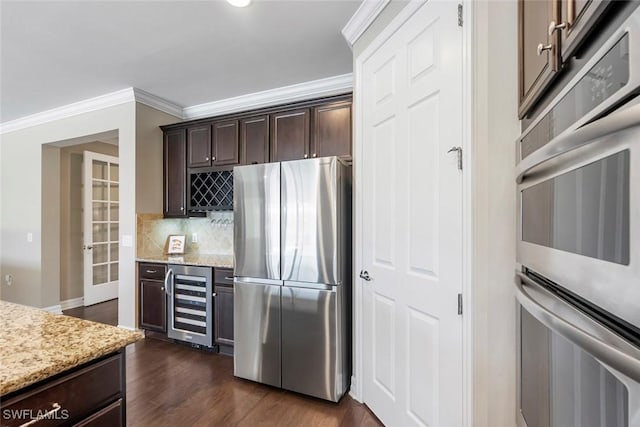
64,369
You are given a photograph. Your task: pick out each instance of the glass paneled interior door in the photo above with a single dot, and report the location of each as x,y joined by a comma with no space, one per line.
101,227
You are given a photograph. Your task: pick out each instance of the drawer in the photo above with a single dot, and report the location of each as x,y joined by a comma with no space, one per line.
111,416
151,271
75,396
223,276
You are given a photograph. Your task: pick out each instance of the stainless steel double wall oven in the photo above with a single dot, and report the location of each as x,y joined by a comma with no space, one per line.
578,249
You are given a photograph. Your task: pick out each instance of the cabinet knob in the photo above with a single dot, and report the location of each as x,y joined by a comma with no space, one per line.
213,158
181,208
206,158
541,48
313,155
162,288
306,155
553,27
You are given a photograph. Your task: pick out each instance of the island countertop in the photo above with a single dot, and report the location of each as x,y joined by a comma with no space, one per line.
35,344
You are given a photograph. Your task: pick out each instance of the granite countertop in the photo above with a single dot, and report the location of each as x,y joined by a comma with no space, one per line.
35,344
220,261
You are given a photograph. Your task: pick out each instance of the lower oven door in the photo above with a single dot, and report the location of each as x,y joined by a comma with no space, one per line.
572,372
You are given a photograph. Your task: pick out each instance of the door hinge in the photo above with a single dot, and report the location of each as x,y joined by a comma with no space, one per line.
460,21
460,304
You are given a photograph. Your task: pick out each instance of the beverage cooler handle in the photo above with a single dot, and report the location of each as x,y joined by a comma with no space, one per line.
615,357
167,282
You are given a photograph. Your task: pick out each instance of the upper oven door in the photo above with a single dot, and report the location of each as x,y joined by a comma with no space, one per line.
578,222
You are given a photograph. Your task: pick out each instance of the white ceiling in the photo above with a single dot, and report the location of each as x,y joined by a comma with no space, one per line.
188,52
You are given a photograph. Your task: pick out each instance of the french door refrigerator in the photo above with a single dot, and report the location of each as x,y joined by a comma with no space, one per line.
292,293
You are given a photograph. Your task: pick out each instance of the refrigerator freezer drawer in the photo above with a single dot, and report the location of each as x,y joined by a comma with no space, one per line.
314,340
256,319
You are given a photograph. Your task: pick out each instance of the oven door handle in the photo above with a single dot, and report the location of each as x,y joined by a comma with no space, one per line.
623,118
623,361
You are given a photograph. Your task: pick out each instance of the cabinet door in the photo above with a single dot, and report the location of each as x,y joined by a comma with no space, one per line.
153,306
225,143
223,328
199,146
332,130
290,135
579,16
538,52
254,140
175,173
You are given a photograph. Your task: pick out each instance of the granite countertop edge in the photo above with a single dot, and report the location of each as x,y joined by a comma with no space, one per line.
219,261
37,345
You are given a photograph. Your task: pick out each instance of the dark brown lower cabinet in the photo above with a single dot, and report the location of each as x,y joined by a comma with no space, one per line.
89,395
153,300
223,308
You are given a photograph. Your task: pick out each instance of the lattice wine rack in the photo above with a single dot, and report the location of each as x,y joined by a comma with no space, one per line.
211,191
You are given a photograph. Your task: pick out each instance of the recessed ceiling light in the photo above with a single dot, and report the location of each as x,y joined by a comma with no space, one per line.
239,3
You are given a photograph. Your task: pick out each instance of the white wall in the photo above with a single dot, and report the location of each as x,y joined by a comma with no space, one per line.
22,207
496,127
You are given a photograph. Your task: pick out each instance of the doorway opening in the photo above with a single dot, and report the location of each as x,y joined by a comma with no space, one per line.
85,220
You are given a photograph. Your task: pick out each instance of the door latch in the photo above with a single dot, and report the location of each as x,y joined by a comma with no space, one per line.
364,274
459,150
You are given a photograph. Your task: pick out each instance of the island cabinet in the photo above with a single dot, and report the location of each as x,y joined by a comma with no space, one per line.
175,173
89,395
153,299
223,309
290,135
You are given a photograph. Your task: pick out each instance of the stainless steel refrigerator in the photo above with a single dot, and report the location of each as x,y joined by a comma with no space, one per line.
292,293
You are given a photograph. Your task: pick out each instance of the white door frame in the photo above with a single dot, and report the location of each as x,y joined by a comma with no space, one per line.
467,202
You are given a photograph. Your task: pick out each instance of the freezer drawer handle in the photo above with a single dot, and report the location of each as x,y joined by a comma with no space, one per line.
364,274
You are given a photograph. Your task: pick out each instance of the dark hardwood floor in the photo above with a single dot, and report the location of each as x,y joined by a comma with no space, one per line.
174,385
105,312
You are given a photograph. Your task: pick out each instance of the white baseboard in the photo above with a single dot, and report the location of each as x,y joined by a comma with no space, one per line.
353,390
72,303
129,328
55,309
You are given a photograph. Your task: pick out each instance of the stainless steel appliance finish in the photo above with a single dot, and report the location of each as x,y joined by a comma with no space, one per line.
311,205
292,314
190,290
579,204
314,340
257,220
257,330
572,371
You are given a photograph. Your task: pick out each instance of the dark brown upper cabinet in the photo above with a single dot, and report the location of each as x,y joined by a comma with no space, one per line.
254,140
226,143
175,173
577,18
538,52
290,135
199,146
332,130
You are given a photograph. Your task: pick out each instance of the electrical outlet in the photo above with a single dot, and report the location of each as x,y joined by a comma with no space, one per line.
29,237
8,278
194,237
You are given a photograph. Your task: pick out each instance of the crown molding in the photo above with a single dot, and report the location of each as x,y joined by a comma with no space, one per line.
298,92
158,103
360,21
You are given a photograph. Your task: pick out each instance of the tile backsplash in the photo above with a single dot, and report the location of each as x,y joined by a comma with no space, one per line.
215,234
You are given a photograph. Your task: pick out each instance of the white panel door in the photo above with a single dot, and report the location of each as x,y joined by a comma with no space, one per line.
101,227
412,222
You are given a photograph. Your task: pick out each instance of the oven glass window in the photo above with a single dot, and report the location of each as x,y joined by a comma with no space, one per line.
584,211
561,385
